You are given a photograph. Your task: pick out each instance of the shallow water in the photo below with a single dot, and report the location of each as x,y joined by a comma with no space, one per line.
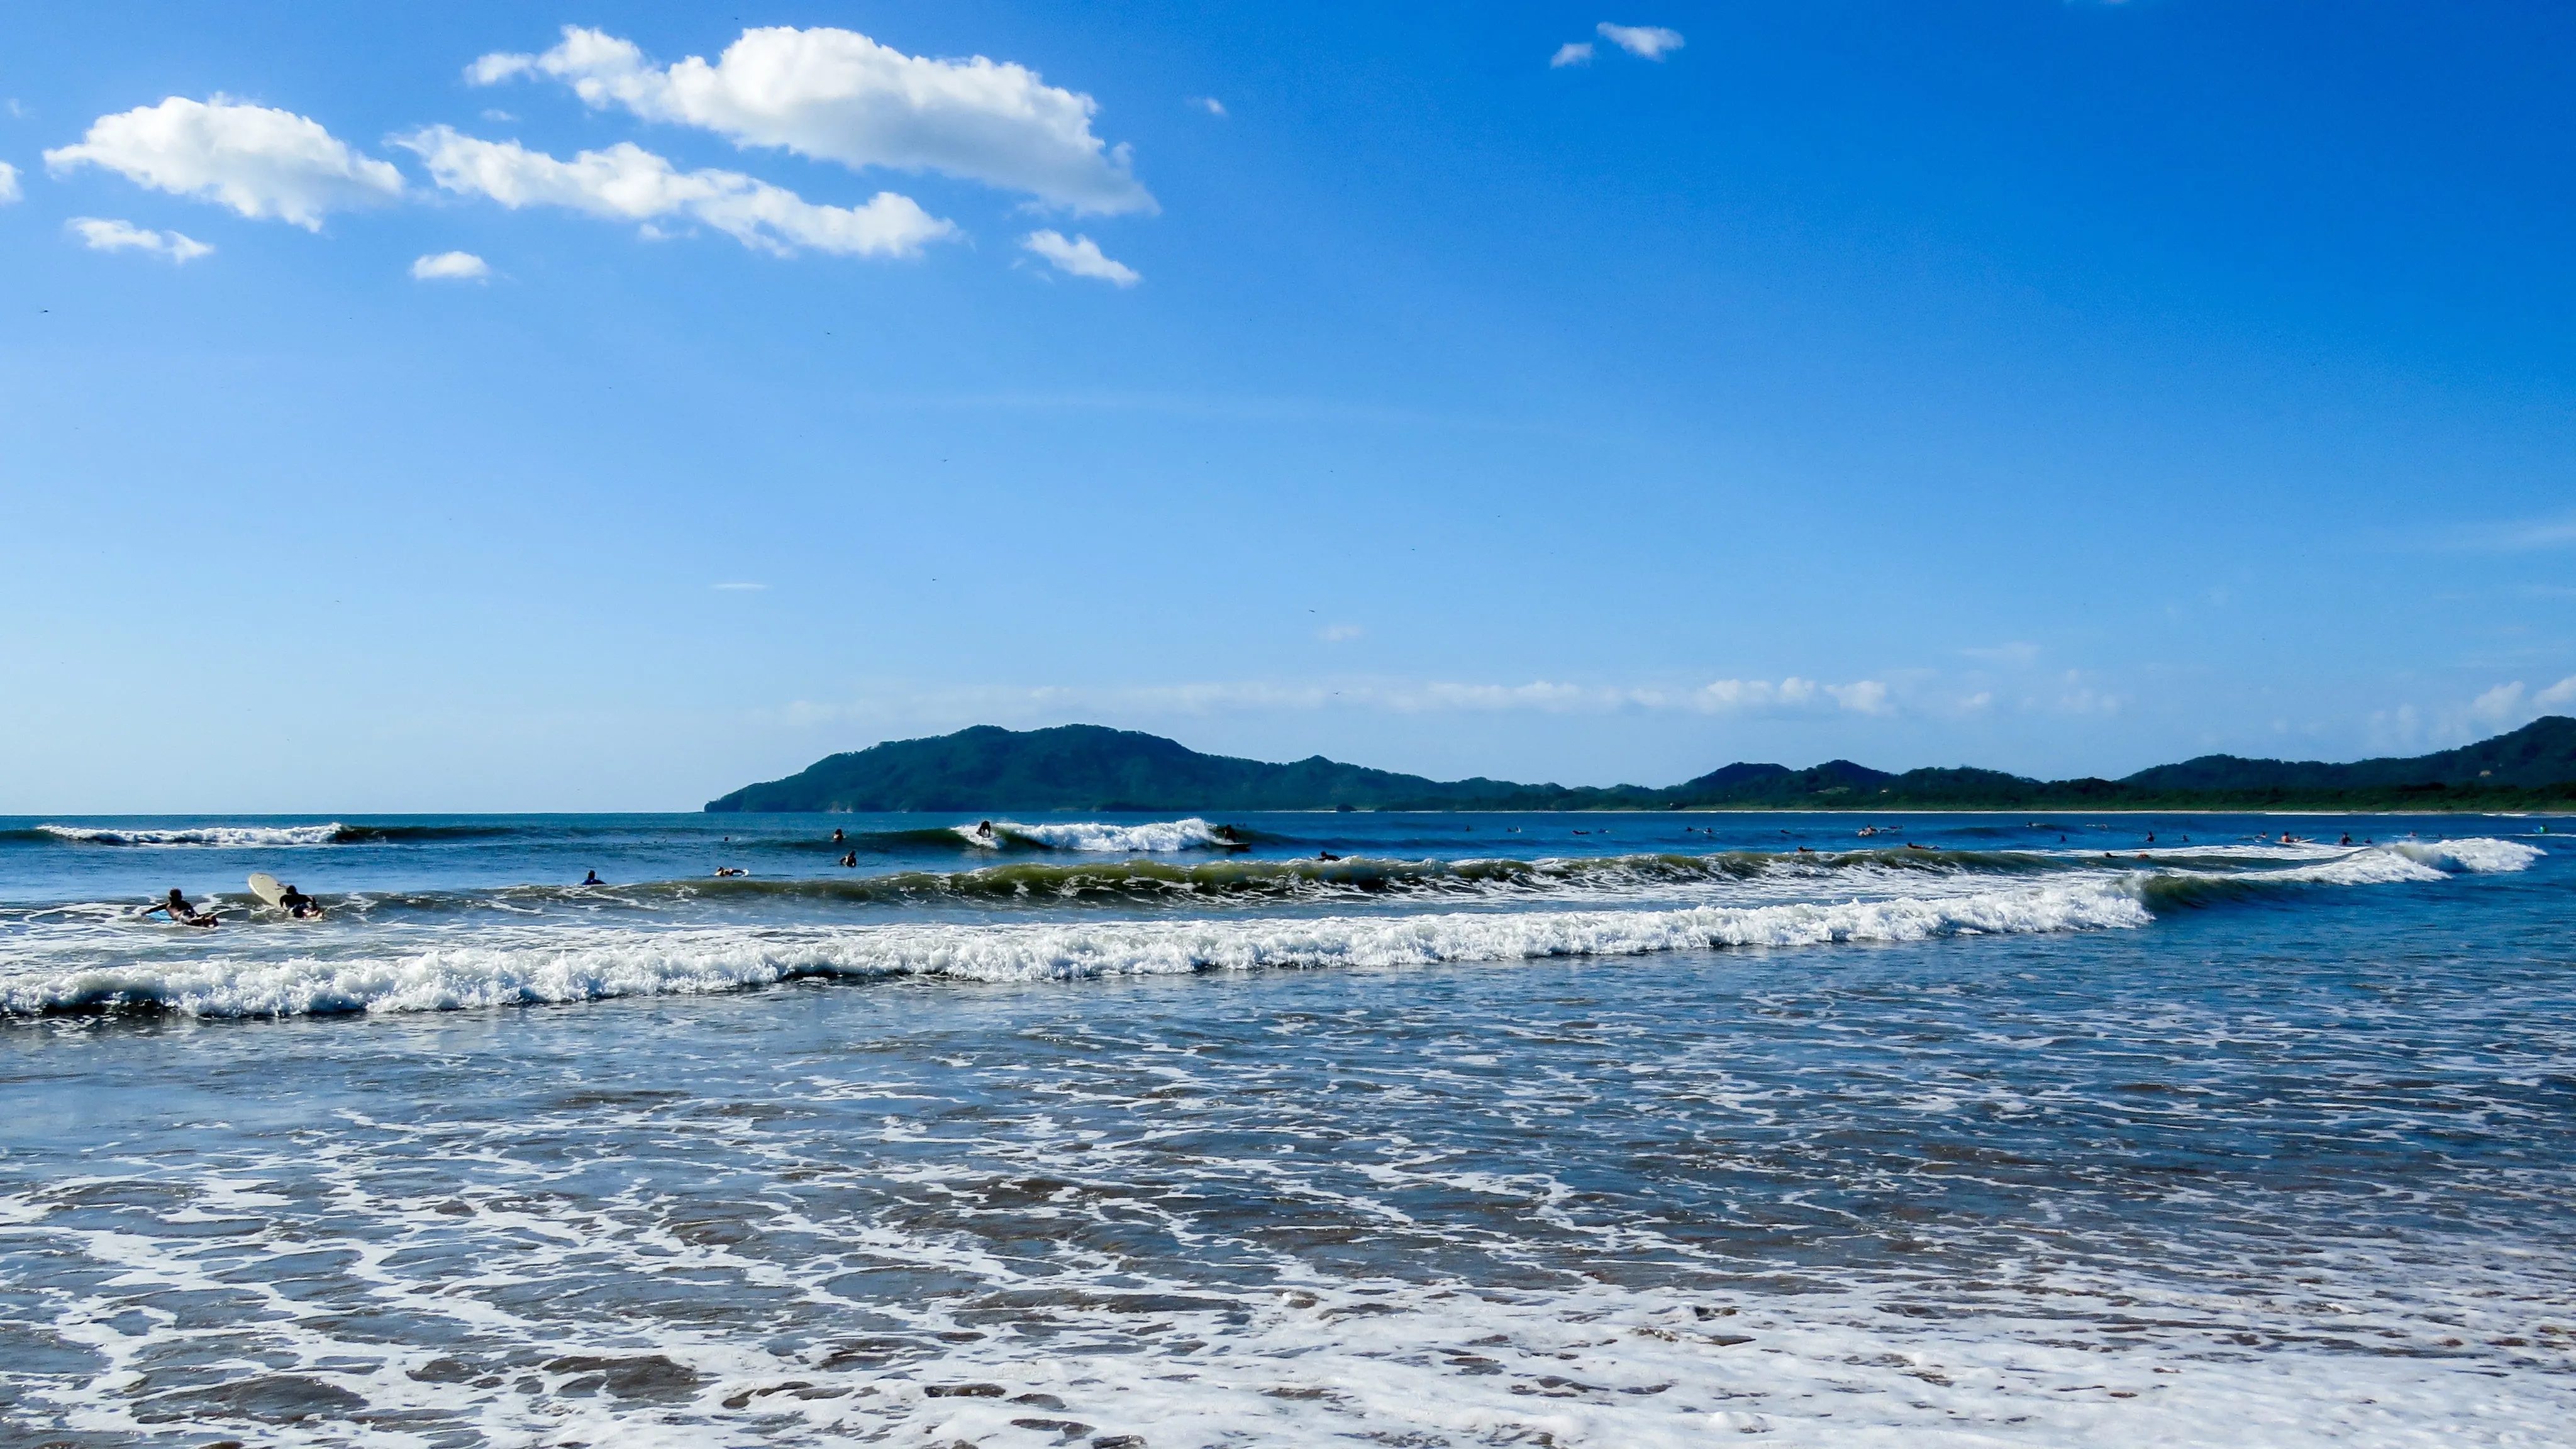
1614,1141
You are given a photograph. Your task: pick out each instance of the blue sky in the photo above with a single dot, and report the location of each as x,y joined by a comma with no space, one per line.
2055,387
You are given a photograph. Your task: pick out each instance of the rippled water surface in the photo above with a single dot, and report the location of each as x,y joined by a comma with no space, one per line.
1109,1132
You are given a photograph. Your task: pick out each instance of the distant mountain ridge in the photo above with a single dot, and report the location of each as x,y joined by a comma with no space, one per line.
1091,767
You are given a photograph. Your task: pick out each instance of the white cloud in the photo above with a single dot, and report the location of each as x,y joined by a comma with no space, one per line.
1080,256
101,235
2505,707
839,96
1209,104
255,159
450,267
8,183
1648,42
1573,52
1729,696
628,183
1867,696
2498,704
1336,633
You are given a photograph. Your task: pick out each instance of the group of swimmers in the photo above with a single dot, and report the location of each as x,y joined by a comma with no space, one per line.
297,905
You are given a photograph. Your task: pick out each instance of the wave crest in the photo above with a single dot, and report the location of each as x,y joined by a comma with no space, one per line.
216,836
560,965
1153,838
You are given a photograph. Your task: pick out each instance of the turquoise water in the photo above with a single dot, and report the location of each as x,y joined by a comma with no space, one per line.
1488,1132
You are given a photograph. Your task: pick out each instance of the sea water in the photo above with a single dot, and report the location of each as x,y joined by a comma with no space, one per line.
1498,1129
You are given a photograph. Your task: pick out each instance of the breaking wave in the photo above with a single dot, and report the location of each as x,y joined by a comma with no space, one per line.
1157,837
579,964
355,968
221,836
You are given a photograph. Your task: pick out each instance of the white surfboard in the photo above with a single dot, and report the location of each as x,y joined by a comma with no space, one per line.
265,886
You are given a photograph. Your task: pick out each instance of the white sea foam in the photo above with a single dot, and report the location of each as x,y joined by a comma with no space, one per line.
225,836
551,964
2481,854
1155,837
2402,861
2026,1357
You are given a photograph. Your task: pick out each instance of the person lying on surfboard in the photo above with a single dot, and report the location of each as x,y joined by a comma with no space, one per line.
180,912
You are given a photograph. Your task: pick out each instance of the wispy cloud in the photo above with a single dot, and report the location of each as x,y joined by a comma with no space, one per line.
1003,702
101,234
1647,42
1209,104
625,182
1079,257
1573,52
2492,711
8,183
738,588
2016,653
2515,536
1336,633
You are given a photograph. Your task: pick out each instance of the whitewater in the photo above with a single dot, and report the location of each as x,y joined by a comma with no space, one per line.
1296,1129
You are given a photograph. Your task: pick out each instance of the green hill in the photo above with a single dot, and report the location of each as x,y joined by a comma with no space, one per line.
1088,767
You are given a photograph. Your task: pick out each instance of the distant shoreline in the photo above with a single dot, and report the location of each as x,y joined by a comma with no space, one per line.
1089,767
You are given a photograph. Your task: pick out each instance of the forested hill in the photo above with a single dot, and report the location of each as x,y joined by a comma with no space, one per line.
1088,767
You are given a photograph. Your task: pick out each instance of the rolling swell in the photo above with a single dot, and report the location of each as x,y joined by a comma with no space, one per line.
1246,881
1130,882
557,963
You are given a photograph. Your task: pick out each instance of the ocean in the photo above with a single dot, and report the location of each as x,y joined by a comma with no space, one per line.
1615,1130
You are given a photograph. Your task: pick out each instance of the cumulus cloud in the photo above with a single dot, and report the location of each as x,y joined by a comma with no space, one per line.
2515,704
102,235
260,161
839,96
1647,42
1080,256
8,183
628,183
1209,104
1573,52
450,267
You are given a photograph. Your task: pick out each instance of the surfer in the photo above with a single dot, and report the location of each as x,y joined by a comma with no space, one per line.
726,870
984,830
1326,855
298,905
851,859
1226,834
593,879
836,836
180,912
